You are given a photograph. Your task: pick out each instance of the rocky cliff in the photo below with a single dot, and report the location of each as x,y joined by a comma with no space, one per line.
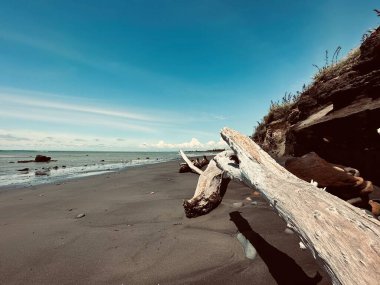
337,116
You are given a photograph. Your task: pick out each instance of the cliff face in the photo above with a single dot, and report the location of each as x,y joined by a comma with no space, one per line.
337,116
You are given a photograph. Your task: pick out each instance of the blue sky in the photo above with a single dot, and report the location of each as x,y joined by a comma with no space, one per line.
158,75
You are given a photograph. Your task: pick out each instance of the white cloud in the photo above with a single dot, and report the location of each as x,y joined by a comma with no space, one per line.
193,144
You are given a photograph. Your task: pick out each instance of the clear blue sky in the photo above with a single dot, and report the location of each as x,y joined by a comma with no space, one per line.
139,74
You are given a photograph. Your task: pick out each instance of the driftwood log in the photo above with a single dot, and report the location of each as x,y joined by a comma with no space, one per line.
344,239
194,165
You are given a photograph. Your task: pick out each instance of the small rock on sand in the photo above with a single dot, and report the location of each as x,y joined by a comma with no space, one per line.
81,215
254,203
249,250
248,199
288,231
302,246
256,194
237,204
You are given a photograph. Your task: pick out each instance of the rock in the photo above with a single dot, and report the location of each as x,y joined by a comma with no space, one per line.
55,167
25,161
256,194
63,166
42,158
254,203
248,199
237,204
249,250
102,160
23,170
11,162
288,231
147,157
302,246
81,215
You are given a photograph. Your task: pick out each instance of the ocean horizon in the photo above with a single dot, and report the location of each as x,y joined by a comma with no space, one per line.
66,165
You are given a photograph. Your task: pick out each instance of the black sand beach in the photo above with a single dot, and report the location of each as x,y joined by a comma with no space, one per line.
135,232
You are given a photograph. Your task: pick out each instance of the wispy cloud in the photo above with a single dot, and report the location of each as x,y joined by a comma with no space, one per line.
26,139
45,103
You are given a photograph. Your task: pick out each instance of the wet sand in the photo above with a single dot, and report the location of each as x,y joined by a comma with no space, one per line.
130,235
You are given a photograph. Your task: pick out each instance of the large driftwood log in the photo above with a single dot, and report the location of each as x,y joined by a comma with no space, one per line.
343,238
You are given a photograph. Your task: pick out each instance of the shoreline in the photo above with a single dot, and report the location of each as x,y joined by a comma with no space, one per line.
135,232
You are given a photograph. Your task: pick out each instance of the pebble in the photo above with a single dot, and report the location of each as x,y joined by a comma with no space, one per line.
81,215
249,250
256,194
254,203
288,231
248,199
302,246
237,204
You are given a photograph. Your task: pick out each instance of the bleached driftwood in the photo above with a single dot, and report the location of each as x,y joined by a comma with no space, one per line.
343,238
190,164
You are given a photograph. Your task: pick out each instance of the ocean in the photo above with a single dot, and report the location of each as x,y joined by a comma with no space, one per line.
71,164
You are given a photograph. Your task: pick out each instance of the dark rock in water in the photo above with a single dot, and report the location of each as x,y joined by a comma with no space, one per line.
25,161
11,162
42,158
55,167
41,173
147,157
24,169
102,160
63,166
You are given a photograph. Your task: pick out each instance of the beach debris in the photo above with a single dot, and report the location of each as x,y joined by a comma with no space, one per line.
249,250
302,246
288,231
194,165
316,218
81,215
237,204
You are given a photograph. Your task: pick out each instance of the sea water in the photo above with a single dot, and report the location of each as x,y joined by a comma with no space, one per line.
71,164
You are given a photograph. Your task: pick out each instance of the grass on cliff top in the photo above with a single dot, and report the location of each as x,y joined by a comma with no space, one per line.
281,109
336,68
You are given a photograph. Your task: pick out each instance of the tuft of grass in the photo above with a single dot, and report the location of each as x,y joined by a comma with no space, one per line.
336,67
278,110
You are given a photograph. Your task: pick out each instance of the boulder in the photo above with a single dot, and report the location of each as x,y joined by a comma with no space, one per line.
42,158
